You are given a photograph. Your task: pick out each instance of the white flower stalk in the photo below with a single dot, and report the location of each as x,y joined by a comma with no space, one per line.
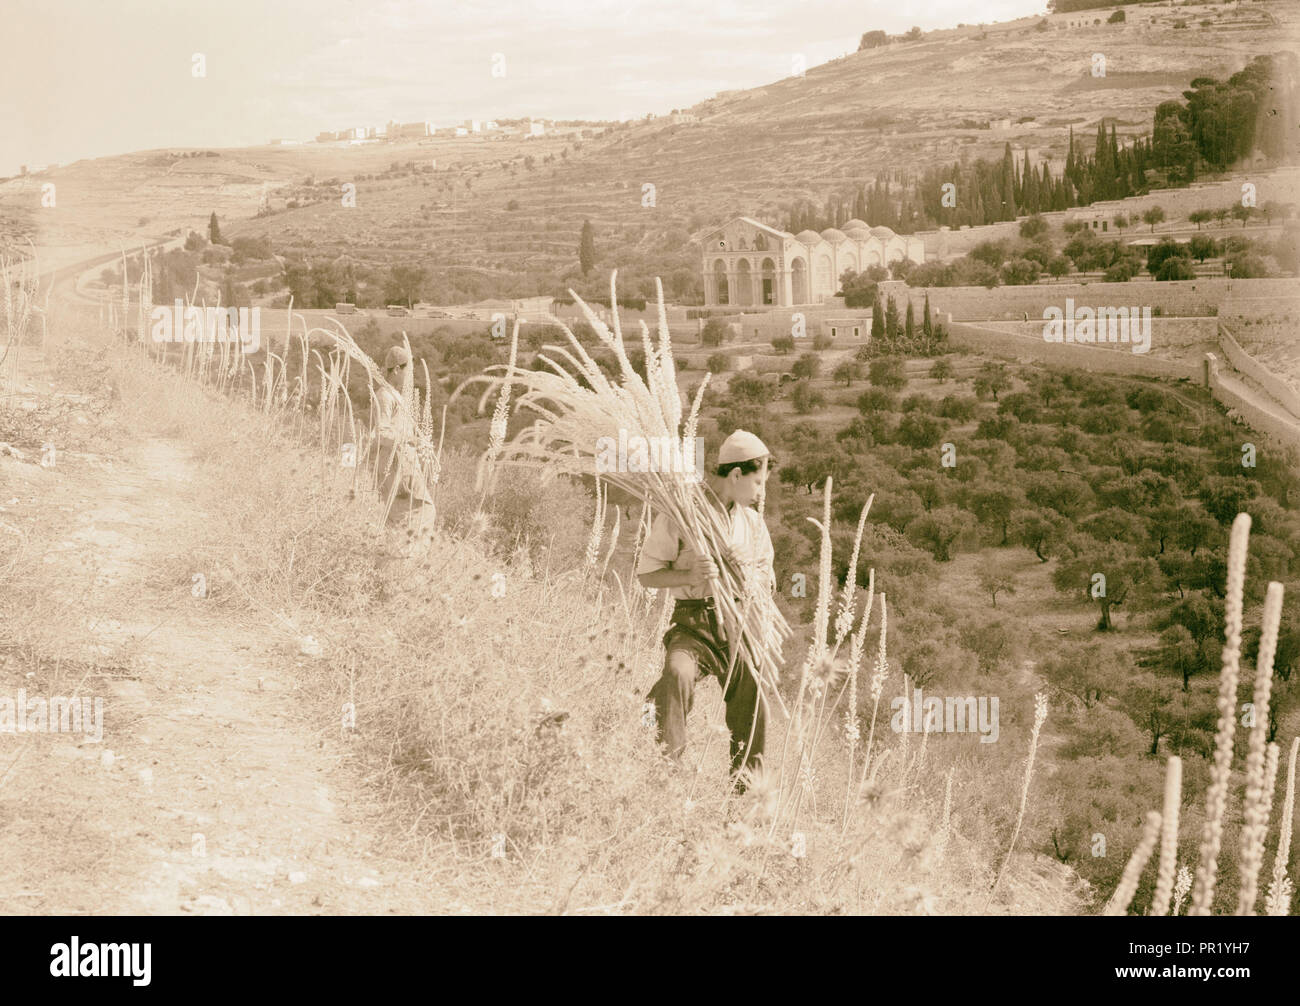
1119,901
1278,902
810,681
1168,836
852,732
882,662
597,526
1217,795
693,420
1259,799
500,416
1181,886
1040,717
1280,889
821,616
667,369
848,598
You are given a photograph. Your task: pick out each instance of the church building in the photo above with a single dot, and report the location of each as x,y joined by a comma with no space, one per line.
747,263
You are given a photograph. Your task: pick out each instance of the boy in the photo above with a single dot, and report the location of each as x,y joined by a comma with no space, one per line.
693,642
399,467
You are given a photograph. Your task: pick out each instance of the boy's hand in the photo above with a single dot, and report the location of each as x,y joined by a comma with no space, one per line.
700,566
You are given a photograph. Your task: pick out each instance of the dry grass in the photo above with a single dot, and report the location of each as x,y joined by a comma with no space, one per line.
493,689
491,677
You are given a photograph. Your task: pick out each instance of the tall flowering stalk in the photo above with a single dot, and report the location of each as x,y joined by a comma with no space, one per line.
1040,717
1168,836
1181,886
878,677
1280,887
1258,798
852,732
500,415
1217,796
1119,901
597,525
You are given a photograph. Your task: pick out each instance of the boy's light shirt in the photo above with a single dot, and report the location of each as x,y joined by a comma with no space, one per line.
390,415
750,540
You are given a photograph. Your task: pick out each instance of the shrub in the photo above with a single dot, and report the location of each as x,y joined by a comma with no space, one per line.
1033,226
1020,272
1247,267
1122,271
887,372
805,398
714,332
959,407
1177,268
806,366
876,400
919,431
718,362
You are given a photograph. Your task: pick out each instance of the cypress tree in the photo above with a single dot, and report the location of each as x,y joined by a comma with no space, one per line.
587,248
877,317
927,326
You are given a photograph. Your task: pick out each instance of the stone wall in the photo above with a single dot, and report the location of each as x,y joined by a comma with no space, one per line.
1245,408
1235,395
1195,298
1099,359
1164,331
1248,365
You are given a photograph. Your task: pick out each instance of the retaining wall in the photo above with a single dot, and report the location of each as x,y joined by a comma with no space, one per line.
1253,369
1097,359
1251,414
1164,331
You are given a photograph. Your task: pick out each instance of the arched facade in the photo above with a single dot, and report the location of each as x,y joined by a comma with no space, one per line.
746,263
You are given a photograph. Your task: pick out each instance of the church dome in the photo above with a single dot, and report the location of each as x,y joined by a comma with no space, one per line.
856,224
831,234
882,232
858,233
808,237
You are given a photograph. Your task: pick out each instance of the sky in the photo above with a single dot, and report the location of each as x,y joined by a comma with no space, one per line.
89,78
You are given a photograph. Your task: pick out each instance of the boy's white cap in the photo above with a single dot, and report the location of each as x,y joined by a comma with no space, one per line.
396,356
741,446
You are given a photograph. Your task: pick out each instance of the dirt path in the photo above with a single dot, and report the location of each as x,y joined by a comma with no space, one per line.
209,793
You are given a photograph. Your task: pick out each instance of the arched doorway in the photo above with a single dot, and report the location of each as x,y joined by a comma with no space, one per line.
744,283
769,281
720,280
799,281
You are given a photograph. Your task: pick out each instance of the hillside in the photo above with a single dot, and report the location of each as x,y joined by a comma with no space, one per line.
444,202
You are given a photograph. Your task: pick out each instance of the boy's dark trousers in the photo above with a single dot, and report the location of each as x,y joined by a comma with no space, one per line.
694,647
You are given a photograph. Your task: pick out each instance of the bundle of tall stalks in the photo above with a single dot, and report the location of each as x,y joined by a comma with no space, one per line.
576,406
288,393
